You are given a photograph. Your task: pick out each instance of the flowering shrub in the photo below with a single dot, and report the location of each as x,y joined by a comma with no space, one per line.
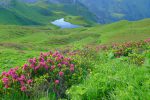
51,71
130,48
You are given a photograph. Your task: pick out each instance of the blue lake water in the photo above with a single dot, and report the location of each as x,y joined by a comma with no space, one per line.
63,24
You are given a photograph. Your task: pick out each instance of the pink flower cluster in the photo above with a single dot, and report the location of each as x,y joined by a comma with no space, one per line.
53,64
48,61
12,77
147,40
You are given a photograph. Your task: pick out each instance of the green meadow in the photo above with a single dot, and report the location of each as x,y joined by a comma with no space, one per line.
112,77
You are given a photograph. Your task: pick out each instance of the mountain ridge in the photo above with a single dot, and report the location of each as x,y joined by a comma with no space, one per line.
100,11
41,12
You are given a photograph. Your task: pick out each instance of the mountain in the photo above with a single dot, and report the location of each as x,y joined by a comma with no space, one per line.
41,12
37,12
113,10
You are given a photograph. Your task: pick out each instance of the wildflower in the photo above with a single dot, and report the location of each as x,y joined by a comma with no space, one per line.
72,65
71,69
23,88
34,61
21,78
59,65
25,67
69,59
36,68
52,67
4,73
41,54
41,59
30,60
5,80
16,68
45,54
32,65
58,59
61,73
14,76
42,64
49,60
29,81
65,63
56,82
53,55
46,67
6,86
22,83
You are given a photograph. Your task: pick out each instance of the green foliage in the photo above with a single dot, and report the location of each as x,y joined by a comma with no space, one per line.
113,80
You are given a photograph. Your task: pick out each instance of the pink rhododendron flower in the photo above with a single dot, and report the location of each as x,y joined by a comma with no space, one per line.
36,68
30,60
65,63
6,86
72,65
23,88
45,54
4,73
71,69
22,78
42,64
16,68
5,80
22,83
69,59
25,66
59,65
49,60
29,81
52,67
32,65
14,76
41,59
46,67
61,73
56,82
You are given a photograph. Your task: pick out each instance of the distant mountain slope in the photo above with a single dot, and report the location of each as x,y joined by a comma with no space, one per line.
32,12
113,10
10,17
41,12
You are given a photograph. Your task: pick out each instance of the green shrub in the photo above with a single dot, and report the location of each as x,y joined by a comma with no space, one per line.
113,80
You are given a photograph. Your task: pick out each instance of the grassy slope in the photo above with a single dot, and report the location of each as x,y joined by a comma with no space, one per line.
24,41
123,31
79,20
40,13
9,17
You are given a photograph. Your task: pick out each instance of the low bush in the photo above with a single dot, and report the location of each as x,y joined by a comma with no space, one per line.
50,73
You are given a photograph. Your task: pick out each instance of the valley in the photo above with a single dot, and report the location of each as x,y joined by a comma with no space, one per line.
74,50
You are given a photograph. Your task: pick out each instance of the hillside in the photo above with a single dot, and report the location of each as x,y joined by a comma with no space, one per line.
39,13
109,11
27,40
